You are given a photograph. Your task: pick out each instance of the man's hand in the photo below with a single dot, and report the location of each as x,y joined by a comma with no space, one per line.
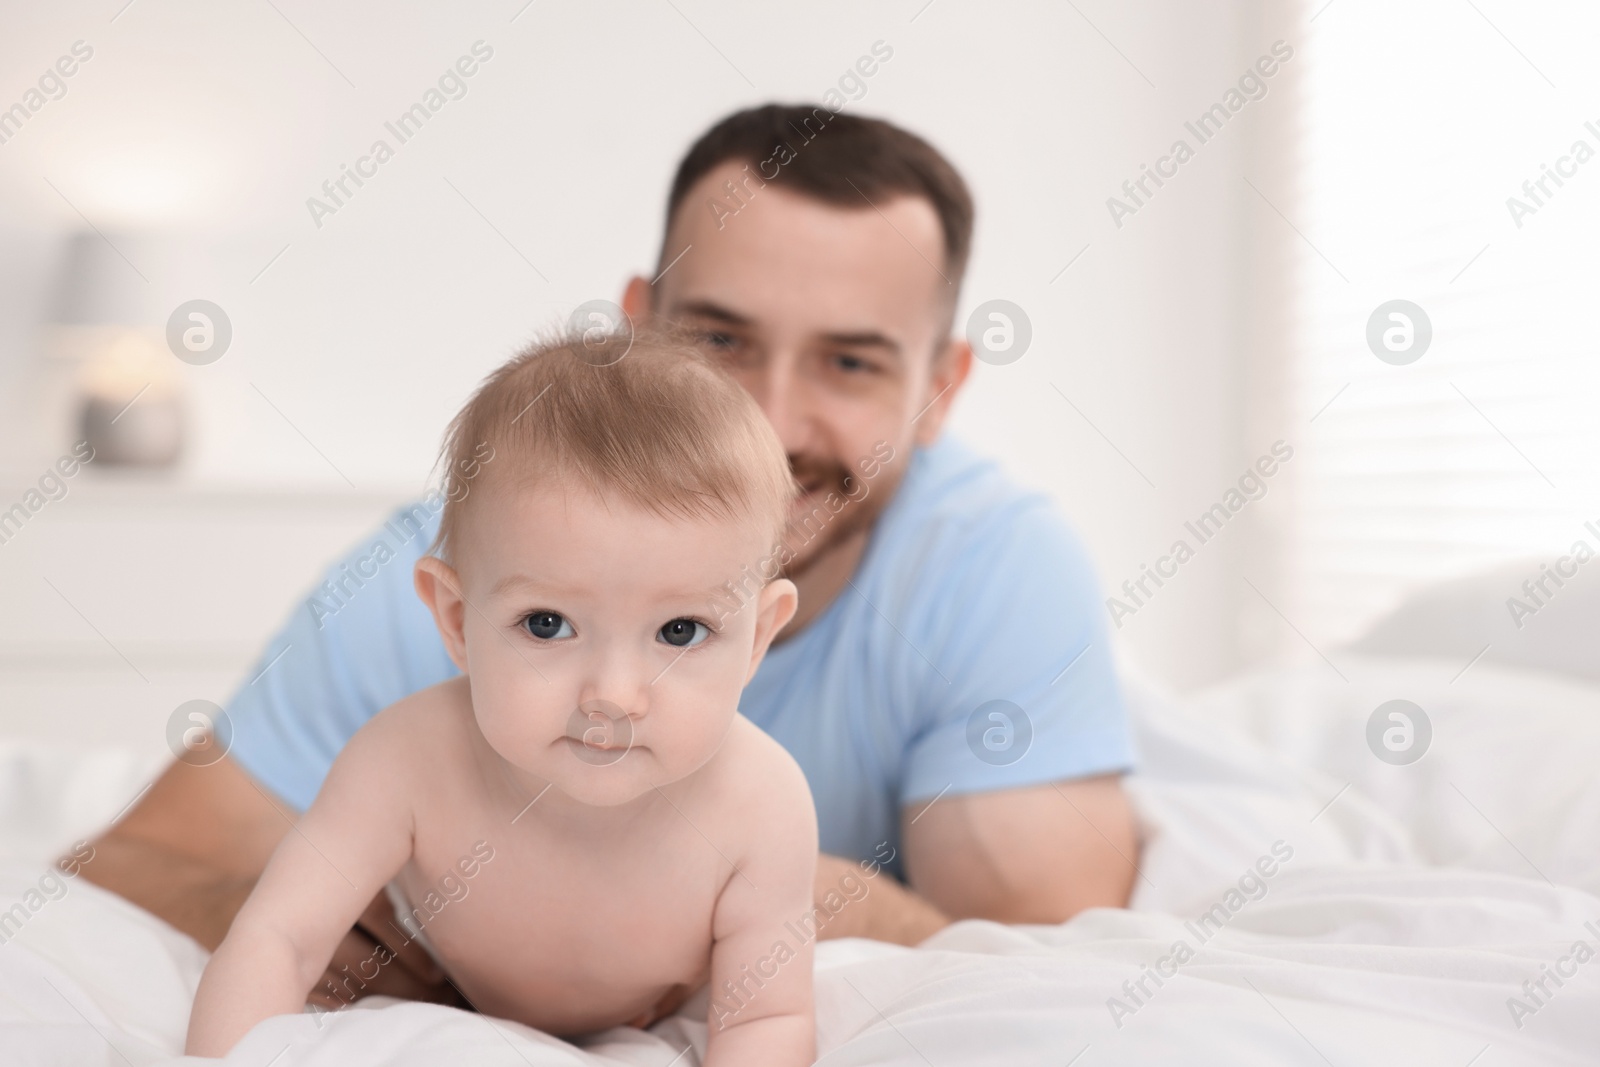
1039,854
873,905
190,852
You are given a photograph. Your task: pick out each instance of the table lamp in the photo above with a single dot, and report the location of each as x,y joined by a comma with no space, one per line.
130,402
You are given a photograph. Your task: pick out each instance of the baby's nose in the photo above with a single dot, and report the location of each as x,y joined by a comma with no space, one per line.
621,681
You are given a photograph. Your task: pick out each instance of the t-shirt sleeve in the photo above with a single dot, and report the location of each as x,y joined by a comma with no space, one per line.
358,642
1025,691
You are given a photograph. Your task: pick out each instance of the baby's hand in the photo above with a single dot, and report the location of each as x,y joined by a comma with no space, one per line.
305,902
761,1010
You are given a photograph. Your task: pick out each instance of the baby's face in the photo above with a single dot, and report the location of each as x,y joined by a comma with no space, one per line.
595,656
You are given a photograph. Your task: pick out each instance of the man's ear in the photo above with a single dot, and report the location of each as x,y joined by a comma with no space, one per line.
947,375
638,299
774,608
440,588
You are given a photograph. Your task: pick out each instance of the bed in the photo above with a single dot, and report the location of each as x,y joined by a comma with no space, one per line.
1298,902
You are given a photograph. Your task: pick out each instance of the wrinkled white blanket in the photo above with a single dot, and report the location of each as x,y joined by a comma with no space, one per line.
1298,902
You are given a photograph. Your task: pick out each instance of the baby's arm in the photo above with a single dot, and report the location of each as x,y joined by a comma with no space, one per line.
353,839
762,1010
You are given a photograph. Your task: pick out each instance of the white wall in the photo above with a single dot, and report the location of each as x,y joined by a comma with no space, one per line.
215,125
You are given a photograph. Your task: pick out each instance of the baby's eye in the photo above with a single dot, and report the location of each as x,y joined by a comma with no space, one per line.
684,633
547,625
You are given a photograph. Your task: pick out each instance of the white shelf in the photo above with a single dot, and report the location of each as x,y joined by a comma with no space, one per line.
184,580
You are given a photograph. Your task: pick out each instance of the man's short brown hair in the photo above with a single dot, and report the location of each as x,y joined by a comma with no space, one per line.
645,417
844,160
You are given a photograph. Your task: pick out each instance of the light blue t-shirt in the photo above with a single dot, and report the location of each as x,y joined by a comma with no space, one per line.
967,654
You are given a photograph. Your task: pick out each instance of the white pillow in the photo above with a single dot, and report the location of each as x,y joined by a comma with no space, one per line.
1458,618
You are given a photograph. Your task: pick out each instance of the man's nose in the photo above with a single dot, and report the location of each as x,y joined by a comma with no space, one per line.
787,402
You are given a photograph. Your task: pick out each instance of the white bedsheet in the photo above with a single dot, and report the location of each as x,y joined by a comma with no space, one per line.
1414,906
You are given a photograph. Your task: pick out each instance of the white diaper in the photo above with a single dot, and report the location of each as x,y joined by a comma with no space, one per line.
406,922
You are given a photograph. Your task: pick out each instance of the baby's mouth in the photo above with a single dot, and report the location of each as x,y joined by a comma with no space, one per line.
601,755
599,732
592,747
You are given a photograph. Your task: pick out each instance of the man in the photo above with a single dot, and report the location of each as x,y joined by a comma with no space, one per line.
947,683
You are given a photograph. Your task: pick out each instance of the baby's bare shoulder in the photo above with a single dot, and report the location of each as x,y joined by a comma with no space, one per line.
756,778
423,729
404,756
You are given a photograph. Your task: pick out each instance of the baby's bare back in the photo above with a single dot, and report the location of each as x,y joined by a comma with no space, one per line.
543,913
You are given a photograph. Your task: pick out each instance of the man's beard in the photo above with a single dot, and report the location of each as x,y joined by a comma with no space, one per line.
816,529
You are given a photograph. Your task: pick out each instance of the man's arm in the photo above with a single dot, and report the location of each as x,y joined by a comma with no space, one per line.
1033,855
1010,797
1038,854
191,850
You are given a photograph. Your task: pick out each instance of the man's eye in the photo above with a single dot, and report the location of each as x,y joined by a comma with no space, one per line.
852,364
720,340
684,633
547,625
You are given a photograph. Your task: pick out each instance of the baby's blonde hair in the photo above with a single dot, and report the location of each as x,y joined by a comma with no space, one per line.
646,417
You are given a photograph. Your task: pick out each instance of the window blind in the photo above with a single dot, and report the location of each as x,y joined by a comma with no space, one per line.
1420,125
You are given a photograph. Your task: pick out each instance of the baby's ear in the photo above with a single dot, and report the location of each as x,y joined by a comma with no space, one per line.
440,588
775,607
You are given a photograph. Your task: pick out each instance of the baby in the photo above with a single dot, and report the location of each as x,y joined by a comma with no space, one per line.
621,828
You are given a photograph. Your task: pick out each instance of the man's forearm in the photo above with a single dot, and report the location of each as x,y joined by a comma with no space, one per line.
855,902
191,895
900,916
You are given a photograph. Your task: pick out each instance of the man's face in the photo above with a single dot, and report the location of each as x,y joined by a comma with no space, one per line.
836,322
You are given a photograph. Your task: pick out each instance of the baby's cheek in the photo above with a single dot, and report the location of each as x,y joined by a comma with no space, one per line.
699,718
513,717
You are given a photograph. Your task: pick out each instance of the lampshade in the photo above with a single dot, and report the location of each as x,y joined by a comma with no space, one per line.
100,284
